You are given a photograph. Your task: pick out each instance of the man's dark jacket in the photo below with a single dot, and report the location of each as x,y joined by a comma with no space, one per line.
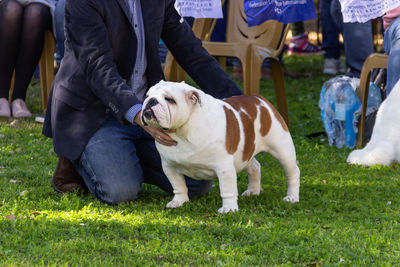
100,53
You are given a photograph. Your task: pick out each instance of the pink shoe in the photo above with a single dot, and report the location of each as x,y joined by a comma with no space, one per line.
299,45
19,109
4,108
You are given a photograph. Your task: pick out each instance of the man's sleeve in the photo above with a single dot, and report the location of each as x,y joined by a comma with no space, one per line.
89,40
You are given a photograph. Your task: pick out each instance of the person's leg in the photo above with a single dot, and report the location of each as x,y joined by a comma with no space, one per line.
10,31
331,46
118,159
109,164
358,45
37,19
391,44
330,32
59,28
297,28
357,40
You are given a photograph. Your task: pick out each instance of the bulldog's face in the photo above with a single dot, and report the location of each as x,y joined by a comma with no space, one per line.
168,105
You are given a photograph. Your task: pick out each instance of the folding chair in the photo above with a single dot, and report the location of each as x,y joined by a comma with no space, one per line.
251,45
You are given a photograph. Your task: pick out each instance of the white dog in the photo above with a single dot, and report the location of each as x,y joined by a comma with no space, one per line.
218,138
384,146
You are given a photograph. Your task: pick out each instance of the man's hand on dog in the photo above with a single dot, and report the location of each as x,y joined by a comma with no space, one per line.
159,135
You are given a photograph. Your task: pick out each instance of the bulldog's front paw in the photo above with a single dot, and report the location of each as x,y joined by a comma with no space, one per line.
291,199
177,202
224,210
229,204
251,192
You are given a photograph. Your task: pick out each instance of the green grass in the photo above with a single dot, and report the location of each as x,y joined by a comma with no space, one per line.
347,215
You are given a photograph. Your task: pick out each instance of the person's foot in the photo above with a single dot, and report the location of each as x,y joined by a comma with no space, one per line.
333,66
4,108
19,109
299,45
66,179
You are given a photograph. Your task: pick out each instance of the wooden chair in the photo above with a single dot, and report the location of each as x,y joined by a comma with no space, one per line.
373,61
46,68
251,45
202,28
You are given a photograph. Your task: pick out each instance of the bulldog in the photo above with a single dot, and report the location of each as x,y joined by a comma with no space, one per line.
218,138
384,146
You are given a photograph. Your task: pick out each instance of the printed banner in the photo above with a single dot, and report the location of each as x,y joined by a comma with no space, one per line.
365,10
285,11
200,8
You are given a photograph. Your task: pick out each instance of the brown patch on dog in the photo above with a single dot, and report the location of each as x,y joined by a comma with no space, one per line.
276,113
265,121
249,140
232,131
247,107
247,103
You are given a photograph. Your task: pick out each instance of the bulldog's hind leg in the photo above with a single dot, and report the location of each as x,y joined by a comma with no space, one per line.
285,153
253,170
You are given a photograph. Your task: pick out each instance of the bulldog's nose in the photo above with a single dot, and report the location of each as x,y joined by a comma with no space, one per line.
148,114
152,102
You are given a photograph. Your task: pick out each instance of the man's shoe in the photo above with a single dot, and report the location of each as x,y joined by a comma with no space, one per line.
66,179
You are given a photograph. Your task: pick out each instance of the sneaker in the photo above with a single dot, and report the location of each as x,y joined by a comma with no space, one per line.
19,109
299,45
333,66
342,67
4,108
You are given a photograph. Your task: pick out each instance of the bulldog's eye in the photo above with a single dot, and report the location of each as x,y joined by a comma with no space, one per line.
169,100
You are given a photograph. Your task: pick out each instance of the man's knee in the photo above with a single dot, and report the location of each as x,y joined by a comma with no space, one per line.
114,194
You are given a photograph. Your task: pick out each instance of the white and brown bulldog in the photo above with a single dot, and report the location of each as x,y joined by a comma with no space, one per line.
218,138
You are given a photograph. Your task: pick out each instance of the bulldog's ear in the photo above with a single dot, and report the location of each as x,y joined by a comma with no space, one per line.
193,97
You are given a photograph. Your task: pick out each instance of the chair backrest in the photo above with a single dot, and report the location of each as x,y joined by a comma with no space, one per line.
269,34
203,28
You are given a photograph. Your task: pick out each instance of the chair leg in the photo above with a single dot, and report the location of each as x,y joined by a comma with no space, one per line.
363,91
172,71
254,76
222,62
10,92
279,84
46,67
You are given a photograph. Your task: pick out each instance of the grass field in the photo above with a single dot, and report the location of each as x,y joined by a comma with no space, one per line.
347,215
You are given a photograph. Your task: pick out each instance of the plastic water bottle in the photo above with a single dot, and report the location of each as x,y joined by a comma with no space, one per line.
374,96
339,104
340,115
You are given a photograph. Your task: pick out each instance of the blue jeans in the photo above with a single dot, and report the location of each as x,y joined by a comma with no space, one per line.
119,158
391,43
59,28
357,39
330,32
